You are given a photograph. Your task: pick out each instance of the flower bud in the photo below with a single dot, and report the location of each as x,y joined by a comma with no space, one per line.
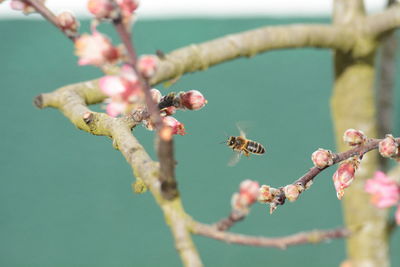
344,176
23,6
168,111
102,9
68,22
249,189
291,192
147,65
322,158
354,137
388,147
127,6
239,204
266,194
176,126
155,95
397,215
193,100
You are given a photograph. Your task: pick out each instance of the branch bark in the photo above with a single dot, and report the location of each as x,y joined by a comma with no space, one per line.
315,236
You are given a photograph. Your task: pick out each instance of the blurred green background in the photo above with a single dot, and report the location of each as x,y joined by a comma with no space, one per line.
66,197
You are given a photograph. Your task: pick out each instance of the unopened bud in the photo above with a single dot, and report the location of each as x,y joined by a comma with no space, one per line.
354,137
291,192
102,9
344,176
266,194
322,158
176,126
168,111
155,95
249,189
193,100
388,147
68,21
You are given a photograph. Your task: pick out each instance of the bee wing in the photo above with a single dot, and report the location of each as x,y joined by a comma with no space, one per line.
243,127
234,159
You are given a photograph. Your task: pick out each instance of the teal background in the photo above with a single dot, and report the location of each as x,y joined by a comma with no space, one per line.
66,198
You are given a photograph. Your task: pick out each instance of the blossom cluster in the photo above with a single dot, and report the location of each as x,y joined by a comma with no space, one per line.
384,191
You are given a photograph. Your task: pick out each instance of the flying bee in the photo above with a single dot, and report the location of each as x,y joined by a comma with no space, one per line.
240,144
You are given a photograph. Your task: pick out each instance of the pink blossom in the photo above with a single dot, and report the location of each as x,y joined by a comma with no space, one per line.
23,6
384,191
344,176
95,49
266,194
176,126
68,21
397,215
193,100
115,108
147,65
101,8
322,158
123,89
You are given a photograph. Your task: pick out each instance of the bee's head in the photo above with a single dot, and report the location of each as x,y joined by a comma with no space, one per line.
231,141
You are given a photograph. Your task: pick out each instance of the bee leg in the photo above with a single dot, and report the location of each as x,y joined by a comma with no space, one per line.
246,153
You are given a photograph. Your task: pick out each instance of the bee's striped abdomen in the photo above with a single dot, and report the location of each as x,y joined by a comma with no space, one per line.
255,148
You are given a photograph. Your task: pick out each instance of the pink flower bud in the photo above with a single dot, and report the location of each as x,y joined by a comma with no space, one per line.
291,192
95,49
68,21
102,9
147,65
249,190
384,191
388,147
23,6
354,137
193,100
155,95
128,6
176,126
239,204
266,194
344,176
397,215
168,111
322,158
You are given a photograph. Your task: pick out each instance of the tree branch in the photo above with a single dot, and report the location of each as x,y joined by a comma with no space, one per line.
249,43
315,236
387,20
72,100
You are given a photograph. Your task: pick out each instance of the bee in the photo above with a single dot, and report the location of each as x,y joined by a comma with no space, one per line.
240,144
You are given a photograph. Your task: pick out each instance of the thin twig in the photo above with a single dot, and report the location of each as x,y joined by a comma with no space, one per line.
165,146
316,236
49,16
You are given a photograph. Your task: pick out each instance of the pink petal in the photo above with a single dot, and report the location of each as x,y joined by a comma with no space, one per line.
112,85
397,215
114,109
